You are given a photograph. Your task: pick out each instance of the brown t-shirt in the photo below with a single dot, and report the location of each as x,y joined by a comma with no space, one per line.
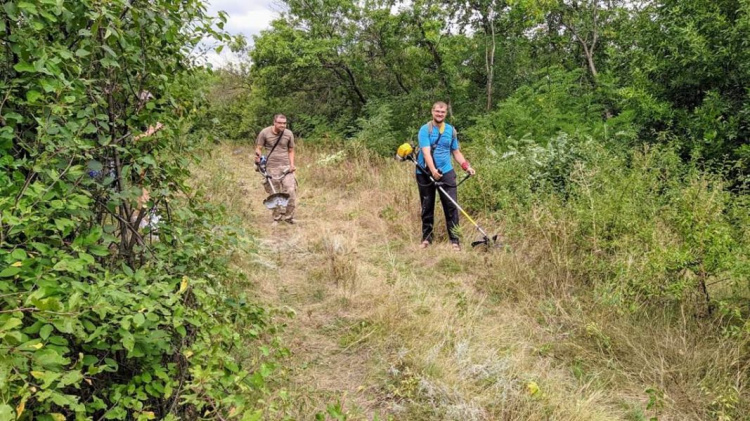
280,156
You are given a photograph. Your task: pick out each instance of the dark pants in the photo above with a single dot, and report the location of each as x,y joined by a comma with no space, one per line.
427,191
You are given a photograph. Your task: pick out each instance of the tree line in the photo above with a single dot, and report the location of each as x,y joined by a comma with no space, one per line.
663,71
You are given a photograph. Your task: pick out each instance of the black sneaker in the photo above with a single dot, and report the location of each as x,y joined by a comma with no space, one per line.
290,221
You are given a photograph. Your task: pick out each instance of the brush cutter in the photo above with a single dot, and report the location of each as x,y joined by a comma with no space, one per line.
405,152
275,200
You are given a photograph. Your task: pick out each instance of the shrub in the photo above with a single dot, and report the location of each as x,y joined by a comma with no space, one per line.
375,131
102,316
642,228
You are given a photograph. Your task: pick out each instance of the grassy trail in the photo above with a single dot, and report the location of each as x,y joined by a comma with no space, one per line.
389,331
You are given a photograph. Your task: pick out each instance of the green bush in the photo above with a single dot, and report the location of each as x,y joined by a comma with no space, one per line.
536,171
102,317
559,102
646,227
83,338
375,131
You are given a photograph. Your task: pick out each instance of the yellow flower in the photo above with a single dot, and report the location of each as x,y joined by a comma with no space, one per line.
20,408
532,388
183,284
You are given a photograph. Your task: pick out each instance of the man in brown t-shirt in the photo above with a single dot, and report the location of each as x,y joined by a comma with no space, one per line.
280,158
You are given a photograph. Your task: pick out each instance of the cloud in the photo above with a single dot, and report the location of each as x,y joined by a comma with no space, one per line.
250,22
248,17
243,17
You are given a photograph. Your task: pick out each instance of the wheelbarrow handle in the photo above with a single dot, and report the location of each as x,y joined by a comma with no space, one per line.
265,174
284,174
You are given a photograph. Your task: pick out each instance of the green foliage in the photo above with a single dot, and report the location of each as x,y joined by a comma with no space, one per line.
694,57
227,113
527,113
668,219
561,102
105,313
375,130
612,135
642,228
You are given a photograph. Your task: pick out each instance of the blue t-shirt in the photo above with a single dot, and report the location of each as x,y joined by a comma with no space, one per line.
443,146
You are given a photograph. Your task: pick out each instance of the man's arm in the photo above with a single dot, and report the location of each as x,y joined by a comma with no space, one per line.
459,157
290,148
258,147
424,144
427,153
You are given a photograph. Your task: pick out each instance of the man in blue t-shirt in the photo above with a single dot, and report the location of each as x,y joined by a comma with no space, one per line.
437,142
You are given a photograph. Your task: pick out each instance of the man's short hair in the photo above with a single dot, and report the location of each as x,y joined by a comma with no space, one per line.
440,104
277,116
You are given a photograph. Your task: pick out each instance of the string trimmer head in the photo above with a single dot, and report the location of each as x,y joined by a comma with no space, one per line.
274,200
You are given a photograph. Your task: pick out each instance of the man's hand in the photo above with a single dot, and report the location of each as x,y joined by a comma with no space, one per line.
292,168
436,175
467,167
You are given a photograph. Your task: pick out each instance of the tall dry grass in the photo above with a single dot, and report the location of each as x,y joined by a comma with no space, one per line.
388,331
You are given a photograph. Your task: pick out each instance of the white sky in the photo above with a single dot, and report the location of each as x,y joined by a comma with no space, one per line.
247,17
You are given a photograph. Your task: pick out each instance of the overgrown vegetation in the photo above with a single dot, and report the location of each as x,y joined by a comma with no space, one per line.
610,117
610,139
526,334
666,71
115,293
611,143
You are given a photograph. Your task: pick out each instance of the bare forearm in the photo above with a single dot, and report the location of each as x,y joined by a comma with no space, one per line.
459,157
463,162
427,153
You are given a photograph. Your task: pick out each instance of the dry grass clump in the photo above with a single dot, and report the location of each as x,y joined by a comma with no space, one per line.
214,178
339,262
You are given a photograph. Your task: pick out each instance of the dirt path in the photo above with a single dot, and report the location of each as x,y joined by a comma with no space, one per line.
389,331
315,268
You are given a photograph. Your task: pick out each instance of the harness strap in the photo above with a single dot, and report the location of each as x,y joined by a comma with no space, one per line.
278,139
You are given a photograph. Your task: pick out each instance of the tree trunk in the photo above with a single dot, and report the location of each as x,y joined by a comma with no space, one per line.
353,82
349,78
490,58
590,60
